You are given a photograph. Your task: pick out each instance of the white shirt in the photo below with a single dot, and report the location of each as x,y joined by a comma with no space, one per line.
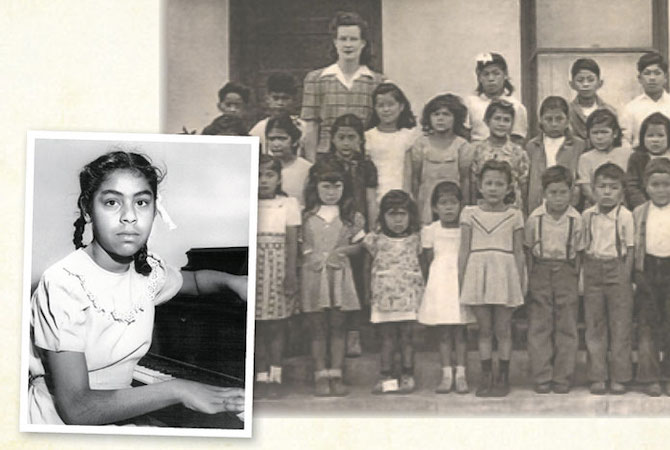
589,110
601,233
551,147
477,105
387,151
658,231
639,109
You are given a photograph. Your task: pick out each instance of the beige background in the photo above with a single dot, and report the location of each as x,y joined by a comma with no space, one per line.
93,65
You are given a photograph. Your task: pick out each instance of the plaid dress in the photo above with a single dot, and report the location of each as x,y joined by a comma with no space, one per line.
325,98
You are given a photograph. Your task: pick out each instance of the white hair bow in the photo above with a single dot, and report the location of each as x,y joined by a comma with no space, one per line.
484,58
162,212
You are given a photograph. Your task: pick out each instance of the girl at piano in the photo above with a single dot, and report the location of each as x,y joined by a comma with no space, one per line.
332,230
276,273
93,311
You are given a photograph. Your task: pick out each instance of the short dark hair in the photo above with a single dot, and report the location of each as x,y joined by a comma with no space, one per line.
454,104
349,18
585,64
494,165
226,125
283,83
285,122
445,188
651,58
275,165
348,120
236,88
611,171
406,118
556,174
396,199
502,105
656,165
605,117
656,118
490,59
554,102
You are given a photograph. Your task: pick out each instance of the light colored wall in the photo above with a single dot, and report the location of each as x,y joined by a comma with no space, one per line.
195,62
206,193
430,45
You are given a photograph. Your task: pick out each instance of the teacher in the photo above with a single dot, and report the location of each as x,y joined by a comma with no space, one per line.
341,88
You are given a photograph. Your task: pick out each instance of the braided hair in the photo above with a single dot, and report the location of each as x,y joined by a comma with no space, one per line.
95,173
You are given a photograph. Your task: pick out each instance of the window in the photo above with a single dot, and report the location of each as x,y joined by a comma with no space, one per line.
613,32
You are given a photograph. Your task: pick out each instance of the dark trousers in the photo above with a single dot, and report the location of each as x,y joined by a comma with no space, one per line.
552,333
608,309
653,309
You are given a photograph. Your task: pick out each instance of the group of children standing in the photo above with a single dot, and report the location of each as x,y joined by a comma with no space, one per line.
463,221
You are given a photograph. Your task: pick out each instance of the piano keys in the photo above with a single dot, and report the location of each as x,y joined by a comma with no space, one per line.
200,338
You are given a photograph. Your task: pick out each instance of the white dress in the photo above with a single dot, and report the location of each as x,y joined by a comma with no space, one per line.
440,304
80,307
387,151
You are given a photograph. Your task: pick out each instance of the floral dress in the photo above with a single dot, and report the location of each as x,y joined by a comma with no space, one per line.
397,282
510,153
80,307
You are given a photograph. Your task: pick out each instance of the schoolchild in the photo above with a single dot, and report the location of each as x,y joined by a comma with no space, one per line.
493,83
92,313
233,100
279,101
276,274
652,71
440,307
554,242
498,146
391,132
585,80
283,140
652,277
555,145
605,138
491,271
655,132
332,230
396,287
441,153
609,234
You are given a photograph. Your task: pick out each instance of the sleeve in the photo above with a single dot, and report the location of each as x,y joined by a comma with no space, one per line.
635,194
58,308
171,285
427,236
466,216
370,243
370,173
523,165
311,97
529,232
520,126
580,243
627,227
586,224
358,228
476,163
293,218
583,171
518,219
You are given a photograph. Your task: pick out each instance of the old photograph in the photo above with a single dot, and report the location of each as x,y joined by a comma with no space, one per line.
463,206
138,312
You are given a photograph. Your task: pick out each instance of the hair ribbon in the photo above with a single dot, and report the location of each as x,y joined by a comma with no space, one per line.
162,212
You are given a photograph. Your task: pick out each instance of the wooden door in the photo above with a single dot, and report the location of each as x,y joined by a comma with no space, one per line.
289,36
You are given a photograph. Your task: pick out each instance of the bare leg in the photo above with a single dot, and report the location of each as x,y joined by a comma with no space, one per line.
388,333
406,347
460,343
317,325
502,317
277,338
483,314
336,322
444,346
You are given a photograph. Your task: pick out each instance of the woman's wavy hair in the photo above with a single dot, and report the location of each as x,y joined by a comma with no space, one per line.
399,199
349,18
331,170
95,173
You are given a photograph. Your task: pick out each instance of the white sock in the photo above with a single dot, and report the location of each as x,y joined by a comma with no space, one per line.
460,371
447,372
275,374
262,377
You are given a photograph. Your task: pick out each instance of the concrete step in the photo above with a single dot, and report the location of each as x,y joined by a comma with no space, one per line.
522,401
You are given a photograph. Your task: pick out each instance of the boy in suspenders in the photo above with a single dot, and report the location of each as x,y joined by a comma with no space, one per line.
608,294
553,240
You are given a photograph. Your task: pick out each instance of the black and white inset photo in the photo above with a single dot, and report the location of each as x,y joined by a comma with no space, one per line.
138,313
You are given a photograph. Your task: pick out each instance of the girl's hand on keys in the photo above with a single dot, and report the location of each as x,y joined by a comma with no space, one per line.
209,399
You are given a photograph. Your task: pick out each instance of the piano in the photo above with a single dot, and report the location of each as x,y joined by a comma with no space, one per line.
199,338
